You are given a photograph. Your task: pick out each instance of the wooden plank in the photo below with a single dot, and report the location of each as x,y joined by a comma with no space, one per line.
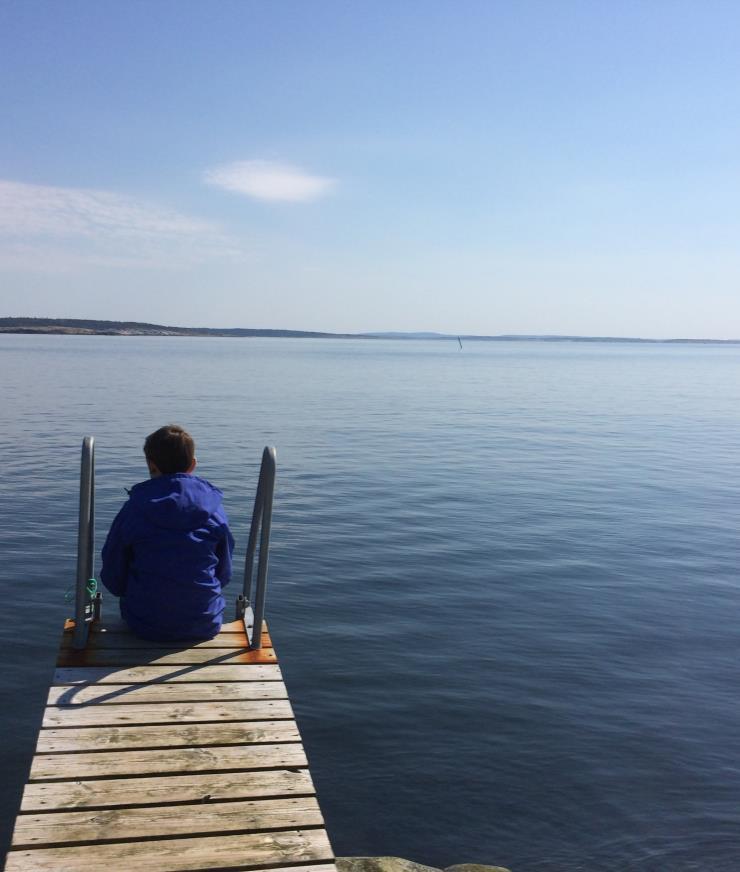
213,786
142,674
106,694
171,736
323,867
154,657
126,640
118,625
173,820
115,634
316,867
180,854
163,713
97,764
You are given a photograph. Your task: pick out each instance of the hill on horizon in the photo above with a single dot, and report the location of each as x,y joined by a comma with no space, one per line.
99,327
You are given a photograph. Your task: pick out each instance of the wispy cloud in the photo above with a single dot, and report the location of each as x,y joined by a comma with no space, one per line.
43,226
267,180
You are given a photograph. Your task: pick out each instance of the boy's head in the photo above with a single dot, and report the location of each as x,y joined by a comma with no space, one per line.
168,450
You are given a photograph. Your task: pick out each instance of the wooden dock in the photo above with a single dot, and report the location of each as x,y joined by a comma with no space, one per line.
152,757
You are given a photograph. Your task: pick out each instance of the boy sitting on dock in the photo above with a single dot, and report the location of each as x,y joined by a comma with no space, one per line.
168,552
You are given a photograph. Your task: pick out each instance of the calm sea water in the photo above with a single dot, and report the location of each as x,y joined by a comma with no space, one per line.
504,581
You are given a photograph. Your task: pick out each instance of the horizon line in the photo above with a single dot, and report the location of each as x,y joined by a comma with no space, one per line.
89,324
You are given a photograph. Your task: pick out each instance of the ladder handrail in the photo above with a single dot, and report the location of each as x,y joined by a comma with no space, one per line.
261,525
85,606
88,606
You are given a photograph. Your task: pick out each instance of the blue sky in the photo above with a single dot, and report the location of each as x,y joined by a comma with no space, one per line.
467,167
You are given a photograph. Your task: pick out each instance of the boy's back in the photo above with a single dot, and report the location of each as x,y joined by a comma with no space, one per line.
168,553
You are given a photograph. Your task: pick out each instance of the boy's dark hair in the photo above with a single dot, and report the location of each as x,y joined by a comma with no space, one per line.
171,449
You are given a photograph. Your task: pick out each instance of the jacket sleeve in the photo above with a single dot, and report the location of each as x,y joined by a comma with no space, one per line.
116,556
224,551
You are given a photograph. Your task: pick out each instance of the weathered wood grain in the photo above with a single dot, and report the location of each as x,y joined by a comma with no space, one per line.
323,867
96,764
212,786
179,820
146,674
164,713
180,854
108,694
172,736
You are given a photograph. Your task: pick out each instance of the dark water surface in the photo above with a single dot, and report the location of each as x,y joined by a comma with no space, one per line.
504,583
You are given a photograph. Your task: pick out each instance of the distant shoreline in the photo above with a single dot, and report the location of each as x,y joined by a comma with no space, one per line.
89,327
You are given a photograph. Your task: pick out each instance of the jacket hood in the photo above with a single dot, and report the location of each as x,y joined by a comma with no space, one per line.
177,502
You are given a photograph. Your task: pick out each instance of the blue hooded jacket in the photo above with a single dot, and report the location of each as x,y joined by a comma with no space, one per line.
167,556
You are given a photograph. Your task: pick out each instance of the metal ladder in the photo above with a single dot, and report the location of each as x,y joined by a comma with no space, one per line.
88,603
